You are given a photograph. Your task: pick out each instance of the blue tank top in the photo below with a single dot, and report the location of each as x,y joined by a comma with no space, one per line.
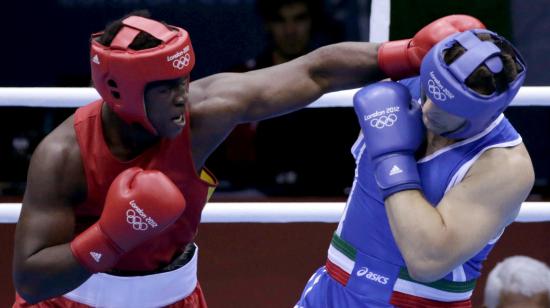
364,224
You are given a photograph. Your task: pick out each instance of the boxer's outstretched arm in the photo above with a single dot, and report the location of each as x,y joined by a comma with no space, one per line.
221,101
43,264
279,89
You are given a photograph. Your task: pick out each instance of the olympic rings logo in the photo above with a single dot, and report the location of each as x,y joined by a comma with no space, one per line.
383,121
436,91
182,62
136,221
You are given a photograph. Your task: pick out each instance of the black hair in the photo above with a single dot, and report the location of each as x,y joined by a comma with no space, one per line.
142,41
482,80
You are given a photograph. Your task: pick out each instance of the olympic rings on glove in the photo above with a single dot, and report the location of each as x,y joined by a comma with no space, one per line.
136,221
383,121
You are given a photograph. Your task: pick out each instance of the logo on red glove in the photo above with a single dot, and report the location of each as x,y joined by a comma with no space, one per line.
138,219
96,256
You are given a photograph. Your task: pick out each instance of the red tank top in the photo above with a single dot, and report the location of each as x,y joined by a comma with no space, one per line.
173,157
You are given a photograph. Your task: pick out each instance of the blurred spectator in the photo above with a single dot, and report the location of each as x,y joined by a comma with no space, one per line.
247,159
17,142
518,282
293,27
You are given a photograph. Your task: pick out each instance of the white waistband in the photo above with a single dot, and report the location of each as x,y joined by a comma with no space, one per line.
156,290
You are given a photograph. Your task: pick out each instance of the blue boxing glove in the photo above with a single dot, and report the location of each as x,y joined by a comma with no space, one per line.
392,125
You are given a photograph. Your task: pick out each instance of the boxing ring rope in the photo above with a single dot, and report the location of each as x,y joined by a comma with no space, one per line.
265,212
76,97
287,212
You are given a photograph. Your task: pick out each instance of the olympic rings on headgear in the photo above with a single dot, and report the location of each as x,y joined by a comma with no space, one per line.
182,62
445,84
436,91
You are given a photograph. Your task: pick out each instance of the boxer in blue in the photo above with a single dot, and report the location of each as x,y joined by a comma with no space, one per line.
427,205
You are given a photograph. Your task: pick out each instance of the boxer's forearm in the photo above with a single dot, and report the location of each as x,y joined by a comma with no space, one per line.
50,272
345,65
283,88
420,233
279,89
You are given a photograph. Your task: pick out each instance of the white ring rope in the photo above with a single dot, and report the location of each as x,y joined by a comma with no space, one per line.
285,212
76,97
250,212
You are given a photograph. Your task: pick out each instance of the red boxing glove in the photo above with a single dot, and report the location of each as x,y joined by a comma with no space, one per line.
402,59
138,206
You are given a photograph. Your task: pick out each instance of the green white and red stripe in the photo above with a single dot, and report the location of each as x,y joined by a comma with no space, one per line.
341,261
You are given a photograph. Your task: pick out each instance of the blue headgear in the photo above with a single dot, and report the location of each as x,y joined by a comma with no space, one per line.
446,85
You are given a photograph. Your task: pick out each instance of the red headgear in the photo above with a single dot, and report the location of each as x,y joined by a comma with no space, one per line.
120,74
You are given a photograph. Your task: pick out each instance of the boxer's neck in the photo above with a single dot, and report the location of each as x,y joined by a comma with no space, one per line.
436,142
125,141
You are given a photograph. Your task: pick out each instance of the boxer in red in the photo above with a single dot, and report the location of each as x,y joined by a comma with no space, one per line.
115,193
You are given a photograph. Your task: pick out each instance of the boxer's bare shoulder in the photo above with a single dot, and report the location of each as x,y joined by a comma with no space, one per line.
58,156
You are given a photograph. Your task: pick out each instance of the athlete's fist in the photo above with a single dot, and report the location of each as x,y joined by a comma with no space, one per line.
401,59
139,205
392,125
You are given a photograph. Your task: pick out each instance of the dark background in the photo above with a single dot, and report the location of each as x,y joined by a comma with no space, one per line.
45,43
